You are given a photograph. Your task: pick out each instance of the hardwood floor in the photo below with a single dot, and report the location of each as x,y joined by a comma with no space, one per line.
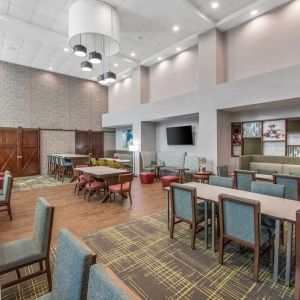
75,213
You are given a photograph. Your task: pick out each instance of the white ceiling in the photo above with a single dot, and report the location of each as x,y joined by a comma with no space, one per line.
34,32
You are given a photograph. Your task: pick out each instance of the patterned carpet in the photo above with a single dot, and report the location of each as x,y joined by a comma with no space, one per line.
141,253
35,182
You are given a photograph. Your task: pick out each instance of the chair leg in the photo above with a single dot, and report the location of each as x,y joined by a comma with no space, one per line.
75,188
90,191
256,264
48,271
193,236
85,193
109,193
130,198
172,228
9,211
221,250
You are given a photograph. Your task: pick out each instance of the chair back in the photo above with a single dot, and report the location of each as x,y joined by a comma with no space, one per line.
43,222
240,219
101,162
243,179
104,284
183,202
126,178
275,190
94,161
7,186
221,181
223,171
87,177
71,270
291,183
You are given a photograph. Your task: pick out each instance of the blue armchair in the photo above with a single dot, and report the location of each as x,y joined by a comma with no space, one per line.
6,193
18,254
71,270
240,222
243,179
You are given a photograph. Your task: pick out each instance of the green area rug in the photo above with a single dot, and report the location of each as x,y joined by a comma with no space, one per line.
141,253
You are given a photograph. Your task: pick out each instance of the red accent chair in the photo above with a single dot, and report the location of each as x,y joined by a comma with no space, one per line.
123,188
167,180
92,186
147,177
80,181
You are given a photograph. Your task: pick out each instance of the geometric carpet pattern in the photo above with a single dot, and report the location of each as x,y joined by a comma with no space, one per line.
141,253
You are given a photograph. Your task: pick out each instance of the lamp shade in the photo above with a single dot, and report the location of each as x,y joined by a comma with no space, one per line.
95,57
92,20
86,66
79,50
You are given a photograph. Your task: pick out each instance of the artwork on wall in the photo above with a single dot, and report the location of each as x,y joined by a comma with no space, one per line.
252,129
270,148
127,138
236,150
236,139
274,130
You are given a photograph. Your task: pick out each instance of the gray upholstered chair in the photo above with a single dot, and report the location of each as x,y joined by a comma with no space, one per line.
6,194
71,269
243,179
291,183
18,254
104,284
221,181
275,190
240,221
223,171
184,207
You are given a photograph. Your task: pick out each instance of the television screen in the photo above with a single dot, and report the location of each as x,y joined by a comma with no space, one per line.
180,135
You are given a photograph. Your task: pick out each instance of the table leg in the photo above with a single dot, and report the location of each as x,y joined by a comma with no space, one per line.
185,178
168,207
289,248
206,223
276,250
213,226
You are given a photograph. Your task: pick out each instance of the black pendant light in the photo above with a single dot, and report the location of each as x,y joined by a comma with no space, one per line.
79,50
86,66
109,77
95,57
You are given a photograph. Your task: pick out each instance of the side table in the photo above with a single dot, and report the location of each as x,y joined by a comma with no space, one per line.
202,176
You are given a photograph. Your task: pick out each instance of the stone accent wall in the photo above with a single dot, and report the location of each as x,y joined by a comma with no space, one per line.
33,98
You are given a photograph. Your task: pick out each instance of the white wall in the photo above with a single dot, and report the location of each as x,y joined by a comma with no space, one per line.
267,43
174,76
161,135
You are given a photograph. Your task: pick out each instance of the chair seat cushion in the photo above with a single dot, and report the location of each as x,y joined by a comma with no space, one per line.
117,188
17,253
95,185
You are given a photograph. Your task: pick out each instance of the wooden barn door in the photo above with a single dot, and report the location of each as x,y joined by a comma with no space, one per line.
20,151
89,142
96,144
9,150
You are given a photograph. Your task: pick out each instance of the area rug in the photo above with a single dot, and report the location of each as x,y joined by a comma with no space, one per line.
141,253
36,182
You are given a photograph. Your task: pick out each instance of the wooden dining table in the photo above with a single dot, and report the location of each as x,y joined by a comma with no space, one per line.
279,209
109,175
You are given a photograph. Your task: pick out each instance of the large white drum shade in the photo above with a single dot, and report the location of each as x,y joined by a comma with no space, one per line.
90,21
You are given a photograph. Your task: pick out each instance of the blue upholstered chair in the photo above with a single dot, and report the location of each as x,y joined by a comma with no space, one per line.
18,254
221,181
275,190
184,207
104,284
243,179
71,269
291,183
223,171
65,168
240,221
6,194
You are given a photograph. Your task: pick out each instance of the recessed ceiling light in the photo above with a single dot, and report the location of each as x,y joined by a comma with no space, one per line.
50,68
214,5
178,49
159,58
66,49
176,28
116,65
254,13
132,54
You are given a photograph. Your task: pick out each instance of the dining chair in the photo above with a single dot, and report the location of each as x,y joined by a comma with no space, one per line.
104,284
223,171
92,185
240,221
123,187
94,162
184,208
28,251
221,181
65,168
71,270
5,196
243,179
79,181
2,176
291,183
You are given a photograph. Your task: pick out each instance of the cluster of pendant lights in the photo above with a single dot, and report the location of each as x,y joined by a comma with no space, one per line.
96,23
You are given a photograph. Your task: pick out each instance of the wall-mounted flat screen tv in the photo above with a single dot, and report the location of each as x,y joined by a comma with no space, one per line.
182,135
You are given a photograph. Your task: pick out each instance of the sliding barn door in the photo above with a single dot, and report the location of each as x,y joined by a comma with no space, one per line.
9,150
89,142
96,144
82,142
29,158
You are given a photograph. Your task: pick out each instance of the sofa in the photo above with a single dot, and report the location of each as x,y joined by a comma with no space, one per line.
267,164
121,154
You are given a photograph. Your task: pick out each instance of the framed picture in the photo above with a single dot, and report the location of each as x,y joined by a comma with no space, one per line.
236,139
252,129
127,138
274,130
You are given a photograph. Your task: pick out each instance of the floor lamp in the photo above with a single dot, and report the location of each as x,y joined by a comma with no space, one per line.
133,149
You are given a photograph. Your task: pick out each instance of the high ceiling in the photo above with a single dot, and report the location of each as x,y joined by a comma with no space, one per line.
34,32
